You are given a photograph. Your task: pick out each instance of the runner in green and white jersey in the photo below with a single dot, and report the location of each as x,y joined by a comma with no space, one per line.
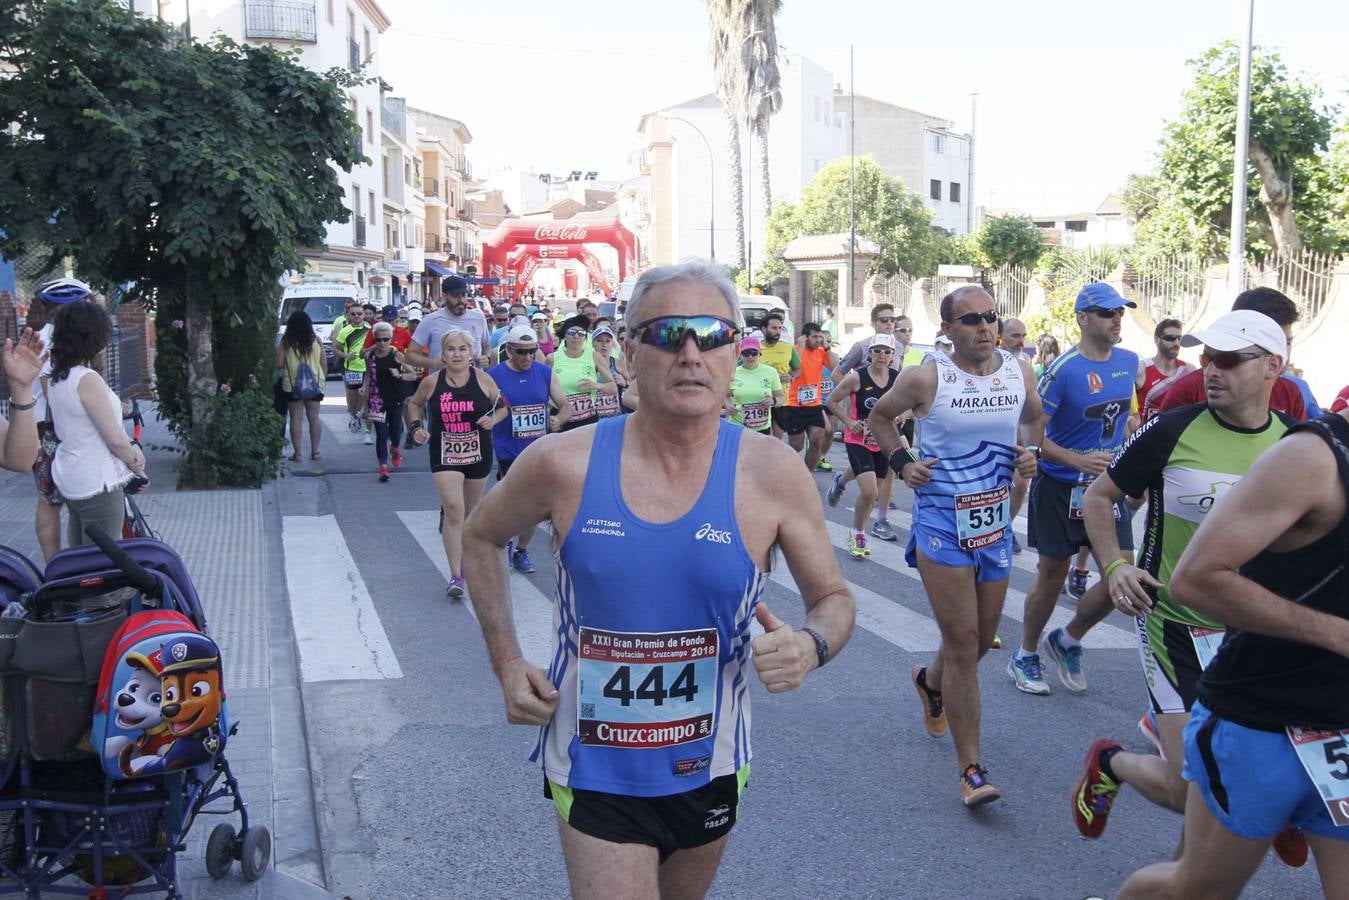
1184,460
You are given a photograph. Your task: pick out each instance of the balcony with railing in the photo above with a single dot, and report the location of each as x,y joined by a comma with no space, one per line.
285,20
353,54
433,243
358,231
431,189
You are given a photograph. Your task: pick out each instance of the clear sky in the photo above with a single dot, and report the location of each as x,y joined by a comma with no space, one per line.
1072,95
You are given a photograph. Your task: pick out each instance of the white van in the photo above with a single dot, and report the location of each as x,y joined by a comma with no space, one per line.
323,301
755,306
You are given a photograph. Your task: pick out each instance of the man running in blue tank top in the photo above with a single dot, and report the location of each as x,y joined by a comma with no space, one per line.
974,404
664,526
1087,393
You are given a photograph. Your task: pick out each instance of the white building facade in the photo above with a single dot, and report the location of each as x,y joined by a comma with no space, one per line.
404,205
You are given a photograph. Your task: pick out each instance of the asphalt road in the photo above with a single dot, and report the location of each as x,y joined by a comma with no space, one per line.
425,791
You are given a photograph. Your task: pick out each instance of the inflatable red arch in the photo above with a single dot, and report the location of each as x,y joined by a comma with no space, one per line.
512,233
525,260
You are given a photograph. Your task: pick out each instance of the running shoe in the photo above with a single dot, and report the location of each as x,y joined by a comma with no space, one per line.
881,529
835,490
1077,582
353,424
456,588
1016,545
521,561
383,473
1068,661
1148,726
997,642
1095,791
934,711
893,505
396,457
1291,846
1024,670
824,465
974,787
857,546
368,439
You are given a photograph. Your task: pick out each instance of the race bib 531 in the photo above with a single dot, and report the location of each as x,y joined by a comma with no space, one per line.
982,518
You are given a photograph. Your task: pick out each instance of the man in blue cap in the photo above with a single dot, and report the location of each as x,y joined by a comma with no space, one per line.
1087,394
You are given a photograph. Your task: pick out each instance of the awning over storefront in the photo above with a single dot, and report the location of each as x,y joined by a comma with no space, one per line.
438,270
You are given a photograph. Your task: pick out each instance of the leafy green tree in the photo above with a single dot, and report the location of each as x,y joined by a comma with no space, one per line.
887,213
194,173
1010,240
1290,129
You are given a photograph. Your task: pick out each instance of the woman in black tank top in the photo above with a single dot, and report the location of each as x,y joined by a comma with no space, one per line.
464,404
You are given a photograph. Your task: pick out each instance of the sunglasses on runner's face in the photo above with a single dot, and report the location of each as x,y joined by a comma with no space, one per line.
668,333
1169,338
904,330
1117,312
884,320
749,352
576,332
523,351
1232,358
383,340
883,351
973,319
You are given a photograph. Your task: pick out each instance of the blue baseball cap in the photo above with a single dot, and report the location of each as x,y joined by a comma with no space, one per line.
1101,296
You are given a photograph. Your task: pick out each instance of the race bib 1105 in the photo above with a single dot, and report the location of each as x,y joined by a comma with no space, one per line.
529,421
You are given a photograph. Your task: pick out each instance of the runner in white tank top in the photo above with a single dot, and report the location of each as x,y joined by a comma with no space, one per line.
972,402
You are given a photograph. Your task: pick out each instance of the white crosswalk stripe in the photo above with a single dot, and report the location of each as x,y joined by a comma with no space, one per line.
532,610
337,631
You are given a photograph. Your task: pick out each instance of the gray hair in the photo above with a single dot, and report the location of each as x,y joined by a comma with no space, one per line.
694,271
383,328
457,334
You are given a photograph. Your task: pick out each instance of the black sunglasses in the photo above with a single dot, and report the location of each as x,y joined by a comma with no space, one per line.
884,320
1117,312
1169,338
749,352
524,351
973,319
382,340
1230,359
669,333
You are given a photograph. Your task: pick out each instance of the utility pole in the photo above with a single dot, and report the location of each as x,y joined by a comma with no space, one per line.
969,217
1236,253
852,182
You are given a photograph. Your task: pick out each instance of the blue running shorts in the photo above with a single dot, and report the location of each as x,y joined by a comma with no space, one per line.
1251,780
934,531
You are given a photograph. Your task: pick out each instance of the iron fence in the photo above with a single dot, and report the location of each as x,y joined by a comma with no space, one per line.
281,20
1168,288
1304,277
896,289
1009,286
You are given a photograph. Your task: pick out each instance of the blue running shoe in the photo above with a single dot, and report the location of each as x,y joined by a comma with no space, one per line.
1068,661
1077,582
521,561
835,489
1024,670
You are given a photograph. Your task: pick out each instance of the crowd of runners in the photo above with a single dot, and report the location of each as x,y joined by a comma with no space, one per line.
1238,590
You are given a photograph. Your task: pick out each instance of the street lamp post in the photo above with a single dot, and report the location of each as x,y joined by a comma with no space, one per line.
711,188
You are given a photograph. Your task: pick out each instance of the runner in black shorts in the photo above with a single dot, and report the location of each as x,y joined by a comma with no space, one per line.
464,405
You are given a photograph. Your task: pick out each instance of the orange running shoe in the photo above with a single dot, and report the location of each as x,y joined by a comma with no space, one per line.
934,713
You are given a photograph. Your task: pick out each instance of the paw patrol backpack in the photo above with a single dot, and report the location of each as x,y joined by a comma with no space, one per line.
161,697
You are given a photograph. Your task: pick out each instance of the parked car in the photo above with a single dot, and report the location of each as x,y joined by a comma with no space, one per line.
323,301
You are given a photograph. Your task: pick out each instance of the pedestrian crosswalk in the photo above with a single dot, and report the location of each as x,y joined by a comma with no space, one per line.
340,634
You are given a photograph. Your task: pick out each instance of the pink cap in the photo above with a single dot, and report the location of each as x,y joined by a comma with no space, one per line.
750,342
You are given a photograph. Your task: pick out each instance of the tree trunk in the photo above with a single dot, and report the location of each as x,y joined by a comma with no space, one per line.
737,186
765,180
1276,193
201,382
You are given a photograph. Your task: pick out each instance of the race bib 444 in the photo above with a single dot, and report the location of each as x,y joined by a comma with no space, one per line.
645,691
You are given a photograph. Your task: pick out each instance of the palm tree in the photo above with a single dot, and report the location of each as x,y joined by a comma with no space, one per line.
744,49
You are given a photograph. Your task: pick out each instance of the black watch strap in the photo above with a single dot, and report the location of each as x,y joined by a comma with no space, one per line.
901,458
821,646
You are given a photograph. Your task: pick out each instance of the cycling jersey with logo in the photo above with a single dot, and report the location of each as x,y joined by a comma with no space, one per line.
526,394
1088,403
807,390
863,401
571,370
653,669
753,391
972,429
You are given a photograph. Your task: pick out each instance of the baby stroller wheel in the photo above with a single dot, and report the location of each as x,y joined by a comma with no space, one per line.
256,853
220,851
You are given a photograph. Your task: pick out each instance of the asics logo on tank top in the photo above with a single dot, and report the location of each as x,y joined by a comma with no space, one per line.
708,533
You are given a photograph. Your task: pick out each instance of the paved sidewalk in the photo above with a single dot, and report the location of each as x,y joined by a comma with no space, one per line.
230,541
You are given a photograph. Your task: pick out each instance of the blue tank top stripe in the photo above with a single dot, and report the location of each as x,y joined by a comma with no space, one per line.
632,598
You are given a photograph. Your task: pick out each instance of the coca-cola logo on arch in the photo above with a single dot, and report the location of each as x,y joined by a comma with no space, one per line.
561,232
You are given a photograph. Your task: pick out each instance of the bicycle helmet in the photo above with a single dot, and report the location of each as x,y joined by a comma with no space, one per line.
64,290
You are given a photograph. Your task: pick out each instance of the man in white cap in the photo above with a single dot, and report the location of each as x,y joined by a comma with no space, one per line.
1183,460
527,387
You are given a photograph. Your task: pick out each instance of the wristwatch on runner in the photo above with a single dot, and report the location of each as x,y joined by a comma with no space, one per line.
821,647
1034,448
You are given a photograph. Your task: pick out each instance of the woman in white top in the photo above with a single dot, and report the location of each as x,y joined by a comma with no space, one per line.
95,458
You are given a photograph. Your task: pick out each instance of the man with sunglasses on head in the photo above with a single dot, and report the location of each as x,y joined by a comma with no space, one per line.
1285,398
1184,461
527,388
1087,393
975,403
803,417
664,525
